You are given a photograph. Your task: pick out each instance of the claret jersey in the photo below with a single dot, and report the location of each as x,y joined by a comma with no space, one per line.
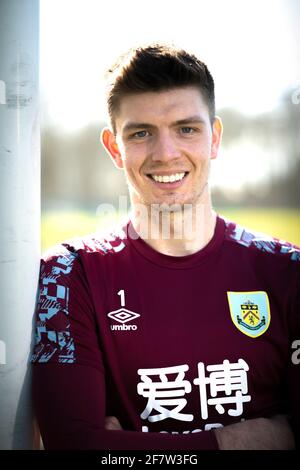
172,346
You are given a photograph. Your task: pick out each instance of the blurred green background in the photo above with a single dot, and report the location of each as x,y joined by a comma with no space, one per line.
255,179
252,50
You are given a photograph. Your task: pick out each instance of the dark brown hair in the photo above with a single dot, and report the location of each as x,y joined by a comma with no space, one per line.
157,67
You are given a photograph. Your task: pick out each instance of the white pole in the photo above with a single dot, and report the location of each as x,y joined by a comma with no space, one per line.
19,214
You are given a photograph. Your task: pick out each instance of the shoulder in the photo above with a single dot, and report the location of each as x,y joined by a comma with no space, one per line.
260,242
65,253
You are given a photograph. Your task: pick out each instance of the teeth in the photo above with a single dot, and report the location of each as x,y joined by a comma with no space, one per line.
169,178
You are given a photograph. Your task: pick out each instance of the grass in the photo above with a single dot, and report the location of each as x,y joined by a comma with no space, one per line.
281,223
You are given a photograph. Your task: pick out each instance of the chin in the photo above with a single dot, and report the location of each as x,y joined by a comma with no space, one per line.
178,201
168,205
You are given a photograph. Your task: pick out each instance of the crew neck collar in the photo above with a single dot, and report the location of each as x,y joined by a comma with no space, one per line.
176,262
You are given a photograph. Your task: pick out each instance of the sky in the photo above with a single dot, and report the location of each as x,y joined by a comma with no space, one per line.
249,46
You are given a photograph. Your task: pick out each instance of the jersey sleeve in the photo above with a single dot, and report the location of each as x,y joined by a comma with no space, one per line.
69,373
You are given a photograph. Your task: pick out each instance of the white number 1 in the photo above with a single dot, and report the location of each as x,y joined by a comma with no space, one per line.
122,294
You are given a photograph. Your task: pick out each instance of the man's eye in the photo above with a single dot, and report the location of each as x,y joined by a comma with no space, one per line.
187,130
140,134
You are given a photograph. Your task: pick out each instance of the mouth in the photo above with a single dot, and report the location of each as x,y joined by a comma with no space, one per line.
169,181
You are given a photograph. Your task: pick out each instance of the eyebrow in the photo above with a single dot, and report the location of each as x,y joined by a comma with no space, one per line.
138,125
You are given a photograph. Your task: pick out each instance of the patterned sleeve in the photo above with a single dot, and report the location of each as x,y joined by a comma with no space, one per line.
63,307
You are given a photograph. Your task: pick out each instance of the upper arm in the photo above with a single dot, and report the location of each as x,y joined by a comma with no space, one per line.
65,326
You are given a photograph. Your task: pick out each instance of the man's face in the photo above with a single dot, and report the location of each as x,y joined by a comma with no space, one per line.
164,143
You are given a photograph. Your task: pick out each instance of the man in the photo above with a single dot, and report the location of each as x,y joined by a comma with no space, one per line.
176,331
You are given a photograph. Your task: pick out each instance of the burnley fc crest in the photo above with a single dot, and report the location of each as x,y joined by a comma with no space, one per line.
250,312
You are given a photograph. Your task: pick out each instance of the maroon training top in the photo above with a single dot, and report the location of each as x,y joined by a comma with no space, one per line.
171,346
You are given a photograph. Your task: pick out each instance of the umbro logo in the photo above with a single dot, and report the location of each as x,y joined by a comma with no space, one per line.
123,315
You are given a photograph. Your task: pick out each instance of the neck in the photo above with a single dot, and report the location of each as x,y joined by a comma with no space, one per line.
178,233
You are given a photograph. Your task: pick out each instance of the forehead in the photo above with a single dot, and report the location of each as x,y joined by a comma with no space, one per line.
161,107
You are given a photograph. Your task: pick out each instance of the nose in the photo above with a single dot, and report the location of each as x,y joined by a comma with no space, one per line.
165,148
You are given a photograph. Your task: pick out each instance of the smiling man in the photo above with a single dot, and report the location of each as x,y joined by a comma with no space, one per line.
175,331
164,141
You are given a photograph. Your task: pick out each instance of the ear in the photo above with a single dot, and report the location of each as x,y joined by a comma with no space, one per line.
216,137
108,141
